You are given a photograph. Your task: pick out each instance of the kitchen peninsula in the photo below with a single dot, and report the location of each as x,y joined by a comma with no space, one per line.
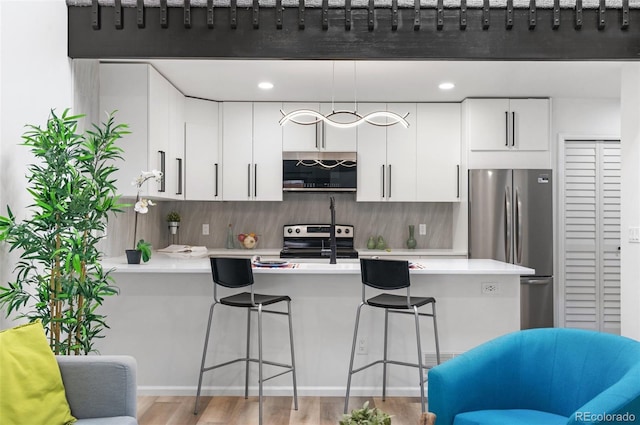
160,318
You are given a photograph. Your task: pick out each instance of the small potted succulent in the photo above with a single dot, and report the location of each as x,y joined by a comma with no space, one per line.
366,416
173,218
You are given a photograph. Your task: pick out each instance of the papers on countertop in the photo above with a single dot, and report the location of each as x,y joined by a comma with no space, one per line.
185,251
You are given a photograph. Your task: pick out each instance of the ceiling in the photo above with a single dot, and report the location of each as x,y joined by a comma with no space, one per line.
389,81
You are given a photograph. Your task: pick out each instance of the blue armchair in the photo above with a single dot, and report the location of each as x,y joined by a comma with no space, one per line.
540,377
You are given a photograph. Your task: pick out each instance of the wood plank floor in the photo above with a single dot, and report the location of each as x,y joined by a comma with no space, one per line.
277,410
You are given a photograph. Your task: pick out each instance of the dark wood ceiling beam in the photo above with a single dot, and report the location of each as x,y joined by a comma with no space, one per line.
233,34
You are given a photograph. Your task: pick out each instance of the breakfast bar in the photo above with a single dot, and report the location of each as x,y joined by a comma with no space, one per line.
160,317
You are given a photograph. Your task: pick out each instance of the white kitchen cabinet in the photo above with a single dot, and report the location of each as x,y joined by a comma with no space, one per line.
387,156
371,157
401,155
298,137
203,158
144,100
175,183
251,152
438,152
267,152
333,139
507,124
320,136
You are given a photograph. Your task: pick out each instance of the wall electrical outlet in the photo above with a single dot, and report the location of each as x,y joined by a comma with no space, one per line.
362,347
205,229
634,234
490,288
422,229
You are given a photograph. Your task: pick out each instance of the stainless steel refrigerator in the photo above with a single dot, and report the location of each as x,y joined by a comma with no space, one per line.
511,220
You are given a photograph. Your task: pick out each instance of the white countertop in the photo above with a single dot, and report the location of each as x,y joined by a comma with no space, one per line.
403,252
164,263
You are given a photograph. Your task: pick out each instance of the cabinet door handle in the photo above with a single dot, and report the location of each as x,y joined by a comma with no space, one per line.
389,181
383,180
458,181
249,180
162,170
318,134
179,191
255,180
216,180
513,129
506,128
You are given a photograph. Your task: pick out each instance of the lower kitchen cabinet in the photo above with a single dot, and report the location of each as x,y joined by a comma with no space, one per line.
251,151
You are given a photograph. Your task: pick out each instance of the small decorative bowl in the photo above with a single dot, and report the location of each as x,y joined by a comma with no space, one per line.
248,240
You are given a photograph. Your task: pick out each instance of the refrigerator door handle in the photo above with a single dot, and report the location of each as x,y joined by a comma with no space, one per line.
518,227
527,281
507,230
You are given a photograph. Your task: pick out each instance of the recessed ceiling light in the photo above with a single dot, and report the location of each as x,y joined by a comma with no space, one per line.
265,85
446,86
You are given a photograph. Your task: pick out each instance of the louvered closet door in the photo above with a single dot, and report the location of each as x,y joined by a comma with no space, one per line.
592,235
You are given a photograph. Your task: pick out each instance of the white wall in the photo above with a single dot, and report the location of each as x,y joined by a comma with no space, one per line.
585,117
630,200
35,76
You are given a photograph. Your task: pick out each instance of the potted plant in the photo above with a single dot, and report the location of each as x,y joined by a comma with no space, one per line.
366,416
173,218
59,278
141,249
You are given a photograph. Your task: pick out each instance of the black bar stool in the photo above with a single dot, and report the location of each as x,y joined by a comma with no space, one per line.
237,273
391,275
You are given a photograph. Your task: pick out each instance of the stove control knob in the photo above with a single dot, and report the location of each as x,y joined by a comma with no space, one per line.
289,230
339,231
298,230
347,230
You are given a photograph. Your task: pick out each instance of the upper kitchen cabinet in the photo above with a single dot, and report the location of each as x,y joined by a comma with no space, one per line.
334,139
203,156
320,136
438,152
153,110
175,168
507,124
387,156
251,151
298,137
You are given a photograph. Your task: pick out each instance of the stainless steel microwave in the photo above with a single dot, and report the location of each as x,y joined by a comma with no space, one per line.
319,171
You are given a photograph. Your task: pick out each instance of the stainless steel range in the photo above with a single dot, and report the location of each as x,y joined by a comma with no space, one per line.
312,241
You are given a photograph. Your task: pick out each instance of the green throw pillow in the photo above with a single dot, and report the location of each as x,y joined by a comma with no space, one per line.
31,390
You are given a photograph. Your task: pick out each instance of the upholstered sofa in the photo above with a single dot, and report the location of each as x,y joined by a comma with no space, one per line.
540,377
101,390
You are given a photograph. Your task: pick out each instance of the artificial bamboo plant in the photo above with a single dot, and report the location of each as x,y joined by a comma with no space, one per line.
59,278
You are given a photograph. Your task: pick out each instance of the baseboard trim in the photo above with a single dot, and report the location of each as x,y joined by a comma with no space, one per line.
186,391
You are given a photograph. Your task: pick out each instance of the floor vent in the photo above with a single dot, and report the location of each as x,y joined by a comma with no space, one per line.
429,359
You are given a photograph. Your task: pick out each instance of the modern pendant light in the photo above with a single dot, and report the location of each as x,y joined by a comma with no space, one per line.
378,118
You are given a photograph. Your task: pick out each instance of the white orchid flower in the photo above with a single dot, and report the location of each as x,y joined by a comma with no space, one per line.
142,206
146,175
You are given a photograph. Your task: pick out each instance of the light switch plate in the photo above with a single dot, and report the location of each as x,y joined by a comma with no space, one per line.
205,229
422,229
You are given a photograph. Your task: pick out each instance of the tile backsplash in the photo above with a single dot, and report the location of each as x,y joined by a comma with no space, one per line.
389,219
